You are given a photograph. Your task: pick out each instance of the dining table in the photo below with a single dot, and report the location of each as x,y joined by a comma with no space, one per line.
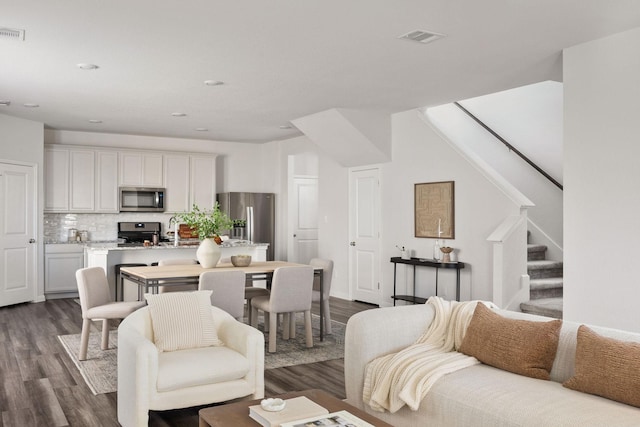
150,278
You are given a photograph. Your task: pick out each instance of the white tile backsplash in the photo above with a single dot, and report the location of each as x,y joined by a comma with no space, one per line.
101,227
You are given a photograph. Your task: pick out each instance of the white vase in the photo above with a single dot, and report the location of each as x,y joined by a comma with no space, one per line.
208,253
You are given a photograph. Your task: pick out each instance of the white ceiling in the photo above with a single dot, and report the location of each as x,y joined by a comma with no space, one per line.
280,60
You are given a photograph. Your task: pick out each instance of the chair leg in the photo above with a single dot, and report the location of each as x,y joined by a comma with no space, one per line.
267,316
105,334
292,325
84,340
254,317
286,321
326,313
307,328
273,331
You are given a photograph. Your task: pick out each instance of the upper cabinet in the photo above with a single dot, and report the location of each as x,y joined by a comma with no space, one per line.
106,181
80,180
85,179
139,169
188,180
56,179
176,183
203,181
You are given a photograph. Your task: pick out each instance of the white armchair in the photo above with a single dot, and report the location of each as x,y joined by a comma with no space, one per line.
153,380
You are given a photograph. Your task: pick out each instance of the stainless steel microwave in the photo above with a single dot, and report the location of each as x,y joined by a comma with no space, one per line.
141,199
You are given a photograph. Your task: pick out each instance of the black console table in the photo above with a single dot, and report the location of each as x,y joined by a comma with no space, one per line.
423,262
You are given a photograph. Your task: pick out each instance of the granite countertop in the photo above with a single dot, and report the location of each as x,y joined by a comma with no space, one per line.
191,244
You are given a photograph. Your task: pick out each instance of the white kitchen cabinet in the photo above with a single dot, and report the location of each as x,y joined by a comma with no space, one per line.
81,180
140,169
56,179
176,182
203,181
60,264
106,193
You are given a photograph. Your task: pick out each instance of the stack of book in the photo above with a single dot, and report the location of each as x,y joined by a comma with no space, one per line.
295,409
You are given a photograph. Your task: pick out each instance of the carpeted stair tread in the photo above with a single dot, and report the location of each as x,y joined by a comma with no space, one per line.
549,307
546,288
546,283
544,269
542,264
536,252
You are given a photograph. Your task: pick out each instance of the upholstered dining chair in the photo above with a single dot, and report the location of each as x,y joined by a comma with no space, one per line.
250,292
327,272
228,290
176,288
290,293
96,304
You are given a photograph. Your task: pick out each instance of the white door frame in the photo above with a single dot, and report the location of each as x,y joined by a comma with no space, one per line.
374,297
35,248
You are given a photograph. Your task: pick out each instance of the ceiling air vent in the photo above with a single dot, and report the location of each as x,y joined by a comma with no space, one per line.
11,34
421,36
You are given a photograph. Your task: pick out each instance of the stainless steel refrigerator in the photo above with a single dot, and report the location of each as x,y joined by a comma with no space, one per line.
258,211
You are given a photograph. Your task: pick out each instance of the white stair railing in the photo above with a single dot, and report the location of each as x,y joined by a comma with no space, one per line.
510,278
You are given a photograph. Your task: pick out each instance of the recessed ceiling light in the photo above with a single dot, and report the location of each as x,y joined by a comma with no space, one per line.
95,121
84,66
5,103
31,105
202,129
178,114
213,82
285,126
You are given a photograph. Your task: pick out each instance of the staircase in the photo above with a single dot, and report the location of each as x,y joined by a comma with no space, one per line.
545,284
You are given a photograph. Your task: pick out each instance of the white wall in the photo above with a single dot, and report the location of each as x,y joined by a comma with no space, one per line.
602,181
333,201
22,141
528,120
421,155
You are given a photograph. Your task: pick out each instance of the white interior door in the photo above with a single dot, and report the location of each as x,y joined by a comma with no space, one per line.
364,223
305,219
17,234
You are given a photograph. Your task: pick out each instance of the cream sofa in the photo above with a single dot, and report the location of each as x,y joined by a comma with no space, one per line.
480,395
150,380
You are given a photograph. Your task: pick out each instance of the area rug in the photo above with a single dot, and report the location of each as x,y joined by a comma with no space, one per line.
100,369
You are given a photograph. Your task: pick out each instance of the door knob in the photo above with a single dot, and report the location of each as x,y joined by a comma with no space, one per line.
32,240
352,243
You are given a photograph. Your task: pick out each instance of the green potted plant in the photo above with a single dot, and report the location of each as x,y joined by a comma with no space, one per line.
207,225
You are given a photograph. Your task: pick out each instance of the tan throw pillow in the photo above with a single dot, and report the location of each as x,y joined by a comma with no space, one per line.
519,346
606,367
182,320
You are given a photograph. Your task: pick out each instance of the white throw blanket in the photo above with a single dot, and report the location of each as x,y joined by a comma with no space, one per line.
405,377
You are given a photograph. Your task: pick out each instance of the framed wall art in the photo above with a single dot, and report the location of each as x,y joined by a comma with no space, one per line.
434,210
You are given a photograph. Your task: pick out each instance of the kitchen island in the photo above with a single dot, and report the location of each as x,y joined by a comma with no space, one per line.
108,255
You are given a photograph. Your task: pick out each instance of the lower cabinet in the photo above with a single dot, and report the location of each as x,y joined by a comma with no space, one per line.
60,264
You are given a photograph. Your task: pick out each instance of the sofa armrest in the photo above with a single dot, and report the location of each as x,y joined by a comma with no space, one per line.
374,333
137,371
248,341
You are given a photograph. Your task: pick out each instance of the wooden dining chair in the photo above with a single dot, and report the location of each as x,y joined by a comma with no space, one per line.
290,293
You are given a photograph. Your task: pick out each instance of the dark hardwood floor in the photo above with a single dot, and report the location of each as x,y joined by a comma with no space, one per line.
42,386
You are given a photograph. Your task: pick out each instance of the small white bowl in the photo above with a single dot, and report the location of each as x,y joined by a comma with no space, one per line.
273,405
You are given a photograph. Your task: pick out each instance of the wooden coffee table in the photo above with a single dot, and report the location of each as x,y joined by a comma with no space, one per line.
237,414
